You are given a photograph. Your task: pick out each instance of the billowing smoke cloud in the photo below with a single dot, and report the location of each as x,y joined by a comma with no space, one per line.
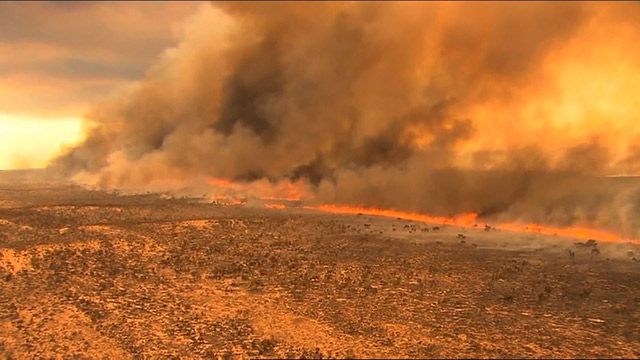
511,110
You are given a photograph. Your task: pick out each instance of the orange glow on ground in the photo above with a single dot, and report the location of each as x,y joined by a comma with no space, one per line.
469,220
274,206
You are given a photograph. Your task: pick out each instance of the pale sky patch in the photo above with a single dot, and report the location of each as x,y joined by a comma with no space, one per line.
29,142
59,58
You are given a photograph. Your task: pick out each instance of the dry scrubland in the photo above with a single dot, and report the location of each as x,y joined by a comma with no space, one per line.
90,274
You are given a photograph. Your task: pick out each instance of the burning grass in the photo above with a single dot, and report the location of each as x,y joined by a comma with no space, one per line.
471,221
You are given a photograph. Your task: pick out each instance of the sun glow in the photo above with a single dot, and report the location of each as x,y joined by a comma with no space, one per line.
30,142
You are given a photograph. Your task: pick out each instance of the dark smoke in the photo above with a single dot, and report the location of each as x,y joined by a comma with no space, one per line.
369,104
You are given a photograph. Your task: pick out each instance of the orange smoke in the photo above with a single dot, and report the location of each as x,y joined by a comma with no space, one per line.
469,220
283,190
224,183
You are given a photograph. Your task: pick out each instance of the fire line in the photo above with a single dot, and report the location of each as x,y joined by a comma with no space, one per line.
469,221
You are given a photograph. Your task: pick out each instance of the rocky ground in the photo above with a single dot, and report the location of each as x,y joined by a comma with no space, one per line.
91,274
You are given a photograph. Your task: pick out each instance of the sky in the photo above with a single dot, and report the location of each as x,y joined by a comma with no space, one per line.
58,58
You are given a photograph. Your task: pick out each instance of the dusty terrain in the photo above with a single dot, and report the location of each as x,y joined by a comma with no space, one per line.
92,274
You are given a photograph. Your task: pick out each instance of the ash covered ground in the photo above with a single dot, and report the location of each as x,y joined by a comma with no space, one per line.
95,274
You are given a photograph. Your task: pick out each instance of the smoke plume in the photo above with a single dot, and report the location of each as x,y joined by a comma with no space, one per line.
516,111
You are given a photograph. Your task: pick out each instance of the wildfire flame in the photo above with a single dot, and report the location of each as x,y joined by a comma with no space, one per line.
294,192
469,220
577,232
274,206
466,220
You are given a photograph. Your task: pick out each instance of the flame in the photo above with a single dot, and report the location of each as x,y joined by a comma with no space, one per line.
469,220
288,191
577,232
274,206
291,197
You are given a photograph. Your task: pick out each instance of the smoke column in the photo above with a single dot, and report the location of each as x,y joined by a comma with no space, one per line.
516,111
